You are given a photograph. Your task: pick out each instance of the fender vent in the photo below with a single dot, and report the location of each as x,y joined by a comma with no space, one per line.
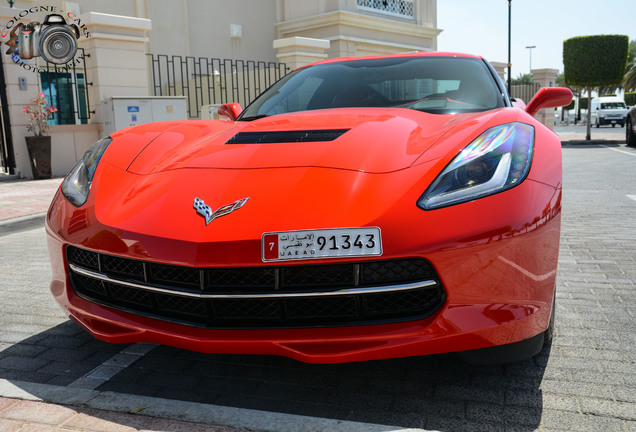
272,137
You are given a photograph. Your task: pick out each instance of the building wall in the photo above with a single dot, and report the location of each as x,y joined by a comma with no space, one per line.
357,31
125,30
202,28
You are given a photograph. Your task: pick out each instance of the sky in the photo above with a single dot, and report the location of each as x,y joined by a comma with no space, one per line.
481,27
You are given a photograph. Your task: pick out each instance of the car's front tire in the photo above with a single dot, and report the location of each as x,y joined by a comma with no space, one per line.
630,137
549,332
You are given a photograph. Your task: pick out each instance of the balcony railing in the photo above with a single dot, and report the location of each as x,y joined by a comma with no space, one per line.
400,8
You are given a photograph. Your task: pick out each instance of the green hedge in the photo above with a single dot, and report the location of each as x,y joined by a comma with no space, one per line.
595,60
630,98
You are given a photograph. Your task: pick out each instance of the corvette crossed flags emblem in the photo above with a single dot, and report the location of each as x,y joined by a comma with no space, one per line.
204,210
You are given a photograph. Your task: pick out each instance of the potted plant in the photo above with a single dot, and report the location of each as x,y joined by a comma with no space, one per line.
39,145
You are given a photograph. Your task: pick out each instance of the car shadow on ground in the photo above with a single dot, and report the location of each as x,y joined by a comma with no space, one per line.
434,392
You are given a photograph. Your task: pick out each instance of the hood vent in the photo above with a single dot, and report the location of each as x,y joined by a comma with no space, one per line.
271,137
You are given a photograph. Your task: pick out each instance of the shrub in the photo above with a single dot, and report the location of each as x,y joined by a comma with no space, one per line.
591,61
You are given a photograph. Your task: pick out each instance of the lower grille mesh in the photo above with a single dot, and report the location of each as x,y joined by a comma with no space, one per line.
204,296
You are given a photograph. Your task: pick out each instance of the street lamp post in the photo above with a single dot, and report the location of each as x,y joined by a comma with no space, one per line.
530,50
509,61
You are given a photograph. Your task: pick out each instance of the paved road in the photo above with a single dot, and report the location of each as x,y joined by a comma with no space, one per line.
584,381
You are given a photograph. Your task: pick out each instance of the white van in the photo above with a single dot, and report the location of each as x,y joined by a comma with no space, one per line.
608,110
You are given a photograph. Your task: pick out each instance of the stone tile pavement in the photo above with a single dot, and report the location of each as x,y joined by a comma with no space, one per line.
23,198
34,416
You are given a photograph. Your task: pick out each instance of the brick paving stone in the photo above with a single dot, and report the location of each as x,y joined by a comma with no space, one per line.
105,421
566,421
6,404
10,426
38,412
20,198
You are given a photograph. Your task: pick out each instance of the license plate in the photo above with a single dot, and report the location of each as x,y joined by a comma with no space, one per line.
323,243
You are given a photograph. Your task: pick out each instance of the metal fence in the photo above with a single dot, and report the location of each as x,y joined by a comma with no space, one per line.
403,8
211,81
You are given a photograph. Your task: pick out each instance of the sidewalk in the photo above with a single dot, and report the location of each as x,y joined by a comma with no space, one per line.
25,415
575,135
23,203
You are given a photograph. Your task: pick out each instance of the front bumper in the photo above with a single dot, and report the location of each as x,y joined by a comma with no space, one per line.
498,272
611,120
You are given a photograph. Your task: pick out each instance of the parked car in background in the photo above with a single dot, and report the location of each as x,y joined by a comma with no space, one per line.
630,127
608,110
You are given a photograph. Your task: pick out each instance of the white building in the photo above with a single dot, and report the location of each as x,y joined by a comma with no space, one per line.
130,46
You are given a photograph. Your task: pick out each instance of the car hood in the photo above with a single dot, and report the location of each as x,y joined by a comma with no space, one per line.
374,140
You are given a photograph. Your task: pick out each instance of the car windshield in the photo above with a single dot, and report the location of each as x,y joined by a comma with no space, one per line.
439,85
613,105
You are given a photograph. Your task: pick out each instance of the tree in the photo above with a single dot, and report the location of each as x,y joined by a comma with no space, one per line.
594,61
629,82
522,79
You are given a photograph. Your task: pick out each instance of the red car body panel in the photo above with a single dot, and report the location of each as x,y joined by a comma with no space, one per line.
496,256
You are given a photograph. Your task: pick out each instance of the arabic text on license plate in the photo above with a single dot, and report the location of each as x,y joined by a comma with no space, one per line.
324,243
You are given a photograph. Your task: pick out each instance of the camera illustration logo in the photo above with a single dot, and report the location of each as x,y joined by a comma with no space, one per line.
54,40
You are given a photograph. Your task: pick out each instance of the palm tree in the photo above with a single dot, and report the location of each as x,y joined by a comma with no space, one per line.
629,82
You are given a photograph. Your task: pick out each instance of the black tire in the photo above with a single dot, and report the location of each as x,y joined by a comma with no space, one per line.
549,332
597,124
630,138
613,124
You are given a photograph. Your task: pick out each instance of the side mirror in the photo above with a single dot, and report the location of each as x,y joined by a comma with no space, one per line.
230,111
549,97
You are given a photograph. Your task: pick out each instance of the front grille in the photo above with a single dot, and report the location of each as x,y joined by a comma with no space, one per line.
352,293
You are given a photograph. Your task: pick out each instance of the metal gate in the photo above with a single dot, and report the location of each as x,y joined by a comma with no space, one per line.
206,81
525,92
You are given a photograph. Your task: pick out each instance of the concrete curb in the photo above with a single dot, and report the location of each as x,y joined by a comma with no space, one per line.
184,411
592,142
24,223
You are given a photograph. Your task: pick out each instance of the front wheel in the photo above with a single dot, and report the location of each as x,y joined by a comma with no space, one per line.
549,332
630,138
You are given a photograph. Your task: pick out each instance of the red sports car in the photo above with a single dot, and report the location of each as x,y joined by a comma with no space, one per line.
360,208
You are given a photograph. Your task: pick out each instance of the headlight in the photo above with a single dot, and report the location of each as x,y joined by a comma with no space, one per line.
77,182
497,160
